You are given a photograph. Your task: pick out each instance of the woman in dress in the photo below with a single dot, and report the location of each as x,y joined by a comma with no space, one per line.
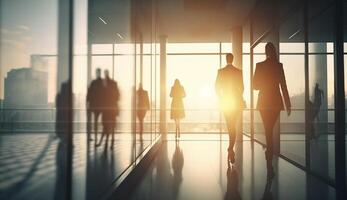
177,109
270,80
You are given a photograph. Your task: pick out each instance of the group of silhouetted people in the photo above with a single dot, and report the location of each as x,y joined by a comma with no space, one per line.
269,80
102,100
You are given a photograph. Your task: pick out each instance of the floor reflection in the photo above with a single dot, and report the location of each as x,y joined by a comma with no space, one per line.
177,166
232,184
200,170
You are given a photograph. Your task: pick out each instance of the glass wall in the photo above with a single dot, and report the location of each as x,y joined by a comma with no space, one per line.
306,45
345,68
48,75
292,49
321,92
30,81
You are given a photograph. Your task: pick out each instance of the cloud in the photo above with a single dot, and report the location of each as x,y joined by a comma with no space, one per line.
23,28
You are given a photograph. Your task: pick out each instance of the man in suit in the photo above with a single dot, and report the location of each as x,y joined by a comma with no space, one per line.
111,97
142,106
229,89
94,102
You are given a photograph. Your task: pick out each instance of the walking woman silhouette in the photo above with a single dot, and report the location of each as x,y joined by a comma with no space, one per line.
177,108
270,80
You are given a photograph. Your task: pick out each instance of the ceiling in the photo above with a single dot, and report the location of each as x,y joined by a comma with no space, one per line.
180,20
110,21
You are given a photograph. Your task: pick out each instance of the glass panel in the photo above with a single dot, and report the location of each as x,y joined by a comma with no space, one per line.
192,48
321,86
345,68
293,127
33,94
201,108
102,49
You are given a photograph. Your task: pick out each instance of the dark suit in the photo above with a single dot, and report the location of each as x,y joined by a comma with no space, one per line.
93,95
95,104
142,106
229,88
268,78
111,97
142,103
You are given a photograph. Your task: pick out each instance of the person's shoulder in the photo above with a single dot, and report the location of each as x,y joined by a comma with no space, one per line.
261,63
223,70
236,69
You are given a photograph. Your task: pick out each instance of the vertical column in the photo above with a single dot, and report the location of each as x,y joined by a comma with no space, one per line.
321,78
340,146
141,58
163,41
89,68
64,102
2,95
237,52
236,40
319,150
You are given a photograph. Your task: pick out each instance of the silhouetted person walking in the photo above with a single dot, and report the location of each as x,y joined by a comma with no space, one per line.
94,103
268,79
314,109
111,97
177,108
229,89
318,95
142,106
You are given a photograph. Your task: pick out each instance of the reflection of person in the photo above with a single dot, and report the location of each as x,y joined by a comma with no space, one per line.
142,106
268,77
318,95
62,131
177,108
267,192
109,114
229,89
314,109
94,102
232,184
177,166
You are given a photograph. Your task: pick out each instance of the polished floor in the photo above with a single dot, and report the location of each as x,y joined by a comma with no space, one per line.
32,165
196,168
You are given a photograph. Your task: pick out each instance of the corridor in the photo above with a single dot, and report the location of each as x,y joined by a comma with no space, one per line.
196,167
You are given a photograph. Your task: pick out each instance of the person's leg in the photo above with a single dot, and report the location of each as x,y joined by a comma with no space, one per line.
269,119
230,122
176,131
104,127
178,128
96,119
141,127
89,134
112,130
108,129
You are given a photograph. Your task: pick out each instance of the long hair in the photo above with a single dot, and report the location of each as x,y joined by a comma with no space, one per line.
177,83
270,51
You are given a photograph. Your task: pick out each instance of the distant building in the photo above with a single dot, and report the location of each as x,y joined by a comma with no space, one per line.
38,63
26,88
